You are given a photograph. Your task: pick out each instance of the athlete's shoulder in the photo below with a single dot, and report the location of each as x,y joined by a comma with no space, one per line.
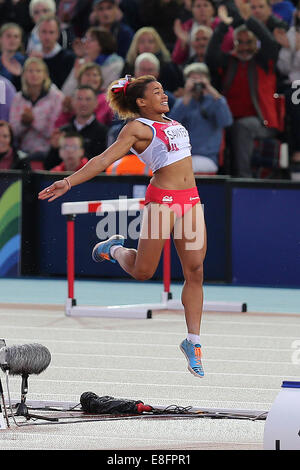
136,127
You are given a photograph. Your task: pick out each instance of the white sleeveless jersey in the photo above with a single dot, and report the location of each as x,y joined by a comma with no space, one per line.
170,143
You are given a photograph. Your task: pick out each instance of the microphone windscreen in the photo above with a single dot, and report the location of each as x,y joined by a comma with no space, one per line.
26,359
92,403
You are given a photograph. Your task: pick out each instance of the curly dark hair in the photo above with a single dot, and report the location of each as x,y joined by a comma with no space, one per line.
124,104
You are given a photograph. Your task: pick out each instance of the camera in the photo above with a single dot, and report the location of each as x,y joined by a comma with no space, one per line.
198,88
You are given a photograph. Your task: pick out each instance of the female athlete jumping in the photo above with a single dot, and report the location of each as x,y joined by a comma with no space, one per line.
172,203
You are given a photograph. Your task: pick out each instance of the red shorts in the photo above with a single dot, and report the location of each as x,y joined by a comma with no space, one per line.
179,200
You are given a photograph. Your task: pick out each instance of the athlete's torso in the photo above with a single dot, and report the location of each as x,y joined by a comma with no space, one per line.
170,143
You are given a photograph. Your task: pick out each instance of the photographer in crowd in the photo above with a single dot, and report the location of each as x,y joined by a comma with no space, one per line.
205,113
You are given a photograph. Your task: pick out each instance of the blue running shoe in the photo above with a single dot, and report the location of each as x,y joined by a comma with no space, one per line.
101,251
193,355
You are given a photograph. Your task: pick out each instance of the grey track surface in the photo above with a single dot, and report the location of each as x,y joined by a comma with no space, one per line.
246,358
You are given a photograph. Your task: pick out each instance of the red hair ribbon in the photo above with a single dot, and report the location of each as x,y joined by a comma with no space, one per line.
121,85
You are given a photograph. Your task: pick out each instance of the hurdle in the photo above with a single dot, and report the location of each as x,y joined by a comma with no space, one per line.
71,210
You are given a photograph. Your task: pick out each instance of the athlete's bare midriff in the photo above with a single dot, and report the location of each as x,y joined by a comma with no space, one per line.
178,175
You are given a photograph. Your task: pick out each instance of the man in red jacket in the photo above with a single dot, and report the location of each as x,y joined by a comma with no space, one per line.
248,82
71,151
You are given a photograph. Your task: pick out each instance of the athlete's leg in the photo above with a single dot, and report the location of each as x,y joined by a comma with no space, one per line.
190,241
157,224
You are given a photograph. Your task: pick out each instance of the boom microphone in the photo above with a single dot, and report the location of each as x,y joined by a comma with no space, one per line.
24,359
92,403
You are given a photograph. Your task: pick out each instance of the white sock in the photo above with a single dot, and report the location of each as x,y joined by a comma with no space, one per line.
113,250
195,339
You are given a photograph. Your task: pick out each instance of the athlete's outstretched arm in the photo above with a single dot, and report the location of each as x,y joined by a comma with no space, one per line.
126,139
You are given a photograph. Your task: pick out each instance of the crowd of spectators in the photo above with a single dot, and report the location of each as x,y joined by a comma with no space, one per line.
224,64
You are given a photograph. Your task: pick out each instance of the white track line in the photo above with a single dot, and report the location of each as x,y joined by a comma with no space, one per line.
203,323
64,341
155,385
239,361
81,330
231,374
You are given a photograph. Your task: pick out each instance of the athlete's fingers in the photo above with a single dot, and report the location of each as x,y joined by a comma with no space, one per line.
55,196
46,192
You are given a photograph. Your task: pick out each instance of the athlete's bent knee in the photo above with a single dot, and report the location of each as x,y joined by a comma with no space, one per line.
143,275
